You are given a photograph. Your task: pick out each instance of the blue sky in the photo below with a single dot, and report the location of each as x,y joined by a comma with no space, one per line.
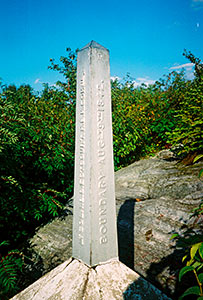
146,38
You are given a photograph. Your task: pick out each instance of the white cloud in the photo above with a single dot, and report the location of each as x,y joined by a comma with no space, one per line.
189,72
53,85
190,75
137,82
143,80
188,66
37,81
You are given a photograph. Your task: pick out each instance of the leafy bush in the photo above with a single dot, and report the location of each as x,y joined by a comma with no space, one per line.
10,266
189,118
142,117
194,264
165,114
189,115
192,244
36,157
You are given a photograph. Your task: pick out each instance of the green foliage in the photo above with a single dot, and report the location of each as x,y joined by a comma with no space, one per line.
10,266
198,157
36,156
68,68
195,290
195,264
189,119
197,62
198,211
125,133
143,117
192,244
189,116
165,114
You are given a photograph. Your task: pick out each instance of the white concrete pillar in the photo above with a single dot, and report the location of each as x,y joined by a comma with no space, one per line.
94,220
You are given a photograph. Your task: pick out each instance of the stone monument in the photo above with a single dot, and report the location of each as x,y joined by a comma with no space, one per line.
94,272
94,218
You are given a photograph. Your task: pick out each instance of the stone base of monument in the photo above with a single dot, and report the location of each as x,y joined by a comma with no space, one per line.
73,280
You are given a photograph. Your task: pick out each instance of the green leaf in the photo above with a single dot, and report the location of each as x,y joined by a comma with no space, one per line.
200,173
194,249
196,264
184,257
195,290
200,298
201,266
174,236
185,270
5,243
197,157
201,250
200,277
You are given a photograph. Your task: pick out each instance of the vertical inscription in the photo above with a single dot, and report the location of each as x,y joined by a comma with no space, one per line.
101,155
82,160
94,218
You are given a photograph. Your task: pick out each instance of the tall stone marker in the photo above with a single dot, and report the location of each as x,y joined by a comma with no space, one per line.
94,220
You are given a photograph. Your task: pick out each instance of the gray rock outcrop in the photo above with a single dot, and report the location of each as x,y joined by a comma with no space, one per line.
154,198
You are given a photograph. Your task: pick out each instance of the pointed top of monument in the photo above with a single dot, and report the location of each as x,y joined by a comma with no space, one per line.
94,44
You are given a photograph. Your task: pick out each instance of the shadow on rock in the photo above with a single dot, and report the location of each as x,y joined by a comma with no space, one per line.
32,269
149,258
167,283
125,226
142,290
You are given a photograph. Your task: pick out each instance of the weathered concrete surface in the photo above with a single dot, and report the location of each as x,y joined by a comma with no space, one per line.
168,191
94,218
73,280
